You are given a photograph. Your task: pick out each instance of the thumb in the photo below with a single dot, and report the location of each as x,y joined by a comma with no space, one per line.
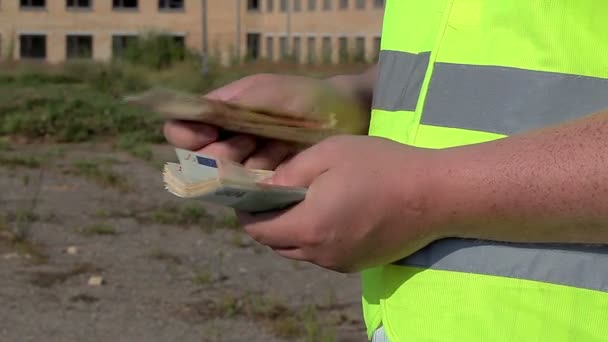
302,169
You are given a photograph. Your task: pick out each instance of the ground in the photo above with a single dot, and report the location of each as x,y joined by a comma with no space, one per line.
172,269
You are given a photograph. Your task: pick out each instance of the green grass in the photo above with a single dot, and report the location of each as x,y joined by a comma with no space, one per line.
12,162
181,215
270,311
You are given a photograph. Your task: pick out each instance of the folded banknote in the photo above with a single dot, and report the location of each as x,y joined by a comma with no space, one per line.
226,183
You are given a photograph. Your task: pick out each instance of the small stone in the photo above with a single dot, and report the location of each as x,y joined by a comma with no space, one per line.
95,281
72,250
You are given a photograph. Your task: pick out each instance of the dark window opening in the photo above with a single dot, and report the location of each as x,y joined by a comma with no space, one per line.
79,47
379,3
312,5
284,5
270,48
78,4
327,51
269,5
297,6
343,49
124,4
121,43
326,5
360,4
32,46
312,50
170,4
253,5
253,46
33,3
343,4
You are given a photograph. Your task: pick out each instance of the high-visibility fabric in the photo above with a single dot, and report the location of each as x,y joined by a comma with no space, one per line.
458,72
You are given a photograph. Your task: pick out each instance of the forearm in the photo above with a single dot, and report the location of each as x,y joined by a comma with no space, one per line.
549,185
360,86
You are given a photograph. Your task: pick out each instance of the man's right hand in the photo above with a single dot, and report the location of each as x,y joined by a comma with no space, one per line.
296,96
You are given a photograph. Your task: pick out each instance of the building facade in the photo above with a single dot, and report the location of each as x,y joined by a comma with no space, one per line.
306,31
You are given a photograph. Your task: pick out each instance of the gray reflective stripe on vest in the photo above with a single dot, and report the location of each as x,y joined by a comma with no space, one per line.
572,265
507,100
400,77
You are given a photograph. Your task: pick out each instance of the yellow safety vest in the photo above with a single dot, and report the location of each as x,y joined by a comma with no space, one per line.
458,72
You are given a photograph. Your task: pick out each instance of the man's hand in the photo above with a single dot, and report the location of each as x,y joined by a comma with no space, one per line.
366,205
293,95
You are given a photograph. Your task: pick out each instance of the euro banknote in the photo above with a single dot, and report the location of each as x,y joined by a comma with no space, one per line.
227,184
183,106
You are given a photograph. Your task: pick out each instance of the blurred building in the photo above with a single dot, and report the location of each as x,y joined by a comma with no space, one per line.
308,31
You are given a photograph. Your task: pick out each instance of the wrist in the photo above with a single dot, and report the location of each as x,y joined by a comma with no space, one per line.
358,87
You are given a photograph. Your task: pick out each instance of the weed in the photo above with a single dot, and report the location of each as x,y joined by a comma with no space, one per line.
12,162
99,229
237,241
20,242
229,221
203,278
5,145
187,215
100,174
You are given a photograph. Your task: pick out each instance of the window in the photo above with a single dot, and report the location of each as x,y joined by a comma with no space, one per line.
343,4
297,48
124,4
360,4
311,50
284,49
170,4
79,46
343,49
284,5
326,5
120,44
270,48
312,5
78,4
376,47
269,5
379,3
253,46
30,4
297,5
360,49
327,53
253,5
32,46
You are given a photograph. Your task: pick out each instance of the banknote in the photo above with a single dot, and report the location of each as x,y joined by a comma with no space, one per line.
177,105
226,183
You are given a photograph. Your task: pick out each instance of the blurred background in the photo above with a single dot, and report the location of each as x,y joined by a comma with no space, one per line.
92,248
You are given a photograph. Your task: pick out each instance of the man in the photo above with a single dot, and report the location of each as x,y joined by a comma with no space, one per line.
483,216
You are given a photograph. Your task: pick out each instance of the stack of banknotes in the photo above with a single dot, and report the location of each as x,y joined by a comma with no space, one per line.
226,183
223,182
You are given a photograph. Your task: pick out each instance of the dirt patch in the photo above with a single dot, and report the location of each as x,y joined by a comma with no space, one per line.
172,269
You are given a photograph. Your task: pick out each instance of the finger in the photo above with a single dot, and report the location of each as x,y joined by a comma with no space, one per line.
234,89
282,229
292,253
269,156
237,148
189,135
303,168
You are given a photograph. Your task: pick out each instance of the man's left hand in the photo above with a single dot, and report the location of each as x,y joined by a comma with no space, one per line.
367,204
